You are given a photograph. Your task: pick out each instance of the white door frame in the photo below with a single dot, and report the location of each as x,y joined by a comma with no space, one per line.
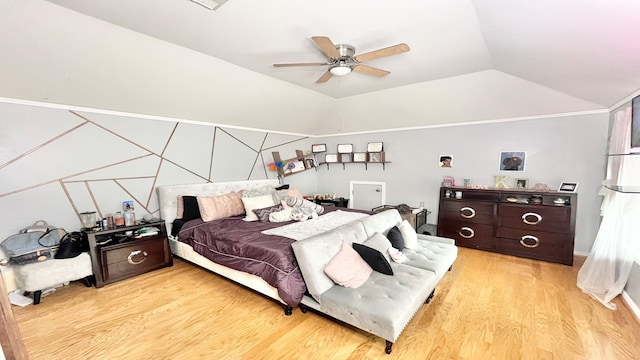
382,184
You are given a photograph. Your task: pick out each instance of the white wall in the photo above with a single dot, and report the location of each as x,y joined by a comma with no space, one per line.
558,149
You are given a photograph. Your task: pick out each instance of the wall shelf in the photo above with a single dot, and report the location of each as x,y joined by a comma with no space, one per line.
366,164
295,165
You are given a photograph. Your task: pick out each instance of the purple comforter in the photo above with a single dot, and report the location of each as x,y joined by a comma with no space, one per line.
239,245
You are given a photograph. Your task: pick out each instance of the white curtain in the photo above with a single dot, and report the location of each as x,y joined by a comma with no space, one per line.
606,270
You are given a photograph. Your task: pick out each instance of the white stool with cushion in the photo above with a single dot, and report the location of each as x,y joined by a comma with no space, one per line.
39,276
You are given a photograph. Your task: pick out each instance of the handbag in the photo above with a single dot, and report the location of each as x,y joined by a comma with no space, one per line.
72,244
38,242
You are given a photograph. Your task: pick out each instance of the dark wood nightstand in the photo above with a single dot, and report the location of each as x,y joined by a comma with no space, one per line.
118,254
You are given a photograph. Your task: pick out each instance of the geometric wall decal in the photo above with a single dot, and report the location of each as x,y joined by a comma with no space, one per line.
232,160
190,146
75,152
146,166
253,139
24,208
24,127
140,189
274,140
109,196
81,161
149,134
171,174
80,196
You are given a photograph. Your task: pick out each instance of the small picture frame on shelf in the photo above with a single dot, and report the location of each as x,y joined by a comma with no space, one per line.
345,148
318,148
376,157
522,183
359,157
568,187
311,163
374,147
331,158
127,205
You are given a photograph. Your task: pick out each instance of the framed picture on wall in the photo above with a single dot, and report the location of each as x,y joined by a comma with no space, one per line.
345,148
512,160
568,187
318,148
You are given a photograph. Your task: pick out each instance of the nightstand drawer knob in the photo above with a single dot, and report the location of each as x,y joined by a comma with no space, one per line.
467,212
137,257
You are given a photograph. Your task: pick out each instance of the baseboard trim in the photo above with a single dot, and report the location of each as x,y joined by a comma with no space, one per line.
631,305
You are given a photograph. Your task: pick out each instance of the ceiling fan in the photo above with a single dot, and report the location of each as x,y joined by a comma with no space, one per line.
342,59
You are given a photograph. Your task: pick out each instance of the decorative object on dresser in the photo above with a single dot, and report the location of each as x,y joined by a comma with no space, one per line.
521,183
511,221
128,251
568,186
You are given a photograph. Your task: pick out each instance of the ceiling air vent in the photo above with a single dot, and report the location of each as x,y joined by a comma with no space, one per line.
210,4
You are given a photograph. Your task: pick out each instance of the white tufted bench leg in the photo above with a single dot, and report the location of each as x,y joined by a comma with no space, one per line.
39,276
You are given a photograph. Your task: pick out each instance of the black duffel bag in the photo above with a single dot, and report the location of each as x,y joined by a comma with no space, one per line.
72,244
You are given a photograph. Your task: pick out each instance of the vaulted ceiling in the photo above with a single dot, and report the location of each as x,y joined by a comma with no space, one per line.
587,49
582,53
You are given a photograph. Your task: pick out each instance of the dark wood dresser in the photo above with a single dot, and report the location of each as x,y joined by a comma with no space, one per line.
525,223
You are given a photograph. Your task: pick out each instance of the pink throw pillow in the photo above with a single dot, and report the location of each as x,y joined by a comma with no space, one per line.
347,268
221,206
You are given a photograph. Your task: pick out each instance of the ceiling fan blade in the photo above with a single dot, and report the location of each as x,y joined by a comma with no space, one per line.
326,45
388,51
371,70
299,64
325,77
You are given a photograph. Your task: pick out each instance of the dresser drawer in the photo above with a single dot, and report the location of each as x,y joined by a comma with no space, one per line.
470,211
478,236
539,218
535,244
133,258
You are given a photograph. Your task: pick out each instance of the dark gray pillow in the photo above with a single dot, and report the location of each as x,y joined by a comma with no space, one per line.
395,237
374,258
263,214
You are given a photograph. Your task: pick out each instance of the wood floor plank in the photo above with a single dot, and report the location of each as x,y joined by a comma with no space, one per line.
490,306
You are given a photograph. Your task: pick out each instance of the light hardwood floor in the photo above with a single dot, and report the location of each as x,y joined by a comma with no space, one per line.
489,306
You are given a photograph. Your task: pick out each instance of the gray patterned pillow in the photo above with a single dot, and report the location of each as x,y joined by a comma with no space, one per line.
263,214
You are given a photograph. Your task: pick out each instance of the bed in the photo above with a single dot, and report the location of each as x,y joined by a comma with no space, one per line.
270,256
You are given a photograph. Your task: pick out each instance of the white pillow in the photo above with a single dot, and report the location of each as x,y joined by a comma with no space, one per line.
381,243
408,235
257,202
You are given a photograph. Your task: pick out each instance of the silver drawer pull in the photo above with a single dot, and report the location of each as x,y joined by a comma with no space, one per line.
137,257
467,229
530,237
537,216
472,212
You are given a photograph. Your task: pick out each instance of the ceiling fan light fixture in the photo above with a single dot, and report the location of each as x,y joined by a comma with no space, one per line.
340,70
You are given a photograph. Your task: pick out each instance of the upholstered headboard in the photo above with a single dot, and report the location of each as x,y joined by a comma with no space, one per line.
168,194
